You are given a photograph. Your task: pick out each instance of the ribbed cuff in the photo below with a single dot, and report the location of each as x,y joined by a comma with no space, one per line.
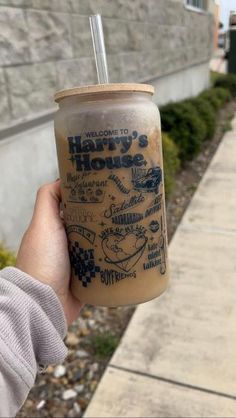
33,322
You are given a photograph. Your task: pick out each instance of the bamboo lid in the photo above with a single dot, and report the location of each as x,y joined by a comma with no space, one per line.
104,88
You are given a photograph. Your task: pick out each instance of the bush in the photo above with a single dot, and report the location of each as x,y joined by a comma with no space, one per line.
212,98
182,122
7,258
207,113
227,81
214,75
171,163
190,122
216,96
222,94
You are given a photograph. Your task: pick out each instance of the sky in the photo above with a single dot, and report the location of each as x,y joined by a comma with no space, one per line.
225,7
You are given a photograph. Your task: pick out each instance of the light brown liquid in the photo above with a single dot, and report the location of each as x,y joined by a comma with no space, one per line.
110,162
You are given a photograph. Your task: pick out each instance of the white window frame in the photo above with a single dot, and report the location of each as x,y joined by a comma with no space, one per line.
194,8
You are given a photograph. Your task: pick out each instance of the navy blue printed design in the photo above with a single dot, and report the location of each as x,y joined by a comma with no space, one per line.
154,226
147,180
119,184
124,247
83,263
81,151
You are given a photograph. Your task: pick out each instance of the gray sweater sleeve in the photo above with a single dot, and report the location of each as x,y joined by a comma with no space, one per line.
32,328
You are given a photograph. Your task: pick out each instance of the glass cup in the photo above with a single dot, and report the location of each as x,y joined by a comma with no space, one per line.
109,150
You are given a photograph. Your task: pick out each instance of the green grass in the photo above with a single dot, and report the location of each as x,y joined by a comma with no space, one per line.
104,345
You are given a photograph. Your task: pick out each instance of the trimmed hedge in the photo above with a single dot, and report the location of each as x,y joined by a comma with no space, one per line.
7,258
207,113
211,97
216,96
184,125
227,81
223,94
188,123
171,163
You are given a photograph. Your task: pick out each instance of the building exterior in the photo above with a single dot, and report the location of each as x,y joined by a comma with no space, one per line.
45,45
216,11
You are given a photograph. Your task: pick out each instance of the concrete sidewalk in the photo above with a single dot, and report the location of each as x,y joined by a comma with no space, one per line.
218,63
178,355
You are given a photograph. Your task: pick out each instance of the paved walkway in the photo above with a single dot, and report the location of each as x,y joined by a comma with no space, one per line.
218,63
178,355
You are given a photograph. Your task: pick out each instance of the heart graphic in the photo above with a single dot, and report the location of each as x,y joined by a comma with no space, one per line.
124,250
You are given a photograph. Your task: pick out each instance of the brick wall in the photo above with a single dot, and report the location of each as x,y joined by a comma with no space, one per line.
45,45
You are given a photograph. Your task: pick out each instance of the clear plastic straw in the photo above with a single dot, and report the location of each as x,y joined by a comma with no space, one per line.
99,48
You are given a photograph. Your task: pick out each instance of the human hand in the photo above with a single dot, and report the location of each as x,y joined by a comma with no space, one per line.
43,252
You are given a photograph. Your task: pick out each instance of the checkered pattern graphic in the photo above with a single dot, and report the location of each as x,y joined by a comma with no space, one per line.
83,264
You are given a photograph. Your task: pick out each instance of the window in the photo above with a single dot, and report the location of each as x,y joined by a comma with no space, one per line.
196,4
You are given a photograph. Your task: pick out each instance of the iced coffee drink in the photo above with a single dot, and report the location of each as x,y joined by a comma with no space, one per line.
110,161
